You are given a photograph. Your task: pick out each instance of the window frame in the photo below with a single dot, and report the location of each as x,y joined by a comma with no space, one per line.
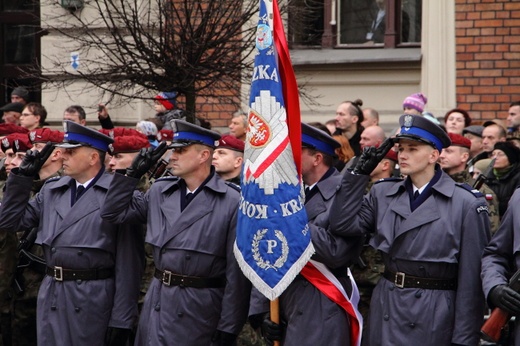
15,74
331,38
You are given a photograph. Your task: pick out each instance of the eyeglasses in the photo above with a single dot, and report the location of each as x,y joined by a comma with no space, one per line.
27,114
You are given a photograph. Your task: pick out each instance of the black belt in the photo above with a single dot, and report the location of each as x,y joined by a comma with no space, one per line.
60,274
170,279
402,280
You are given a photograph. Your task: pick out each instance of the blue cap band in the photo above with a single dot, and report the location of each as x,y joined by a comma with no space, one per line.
191,136
83,139
319,145
422,134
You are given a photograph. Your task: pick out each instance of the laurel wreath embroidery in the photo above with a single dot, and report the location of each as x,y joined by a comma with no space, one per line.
266,264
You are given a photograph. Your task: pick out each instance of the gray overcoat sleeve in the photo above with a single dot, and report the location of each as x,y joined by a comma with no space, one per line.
123,203
351,213
16,212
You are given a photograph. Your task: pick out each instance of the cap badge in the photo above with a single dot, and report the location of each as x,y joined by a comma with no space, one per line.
32,136
408,121
5,143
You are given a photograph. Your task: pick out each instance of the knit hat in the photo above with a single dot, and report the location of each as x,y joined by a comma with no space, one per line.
22,92
147,128
511,151
459,140
416,101
167,99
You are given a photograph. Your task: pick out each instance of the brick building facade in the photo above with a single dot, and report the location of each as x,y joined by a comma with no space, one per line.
487,56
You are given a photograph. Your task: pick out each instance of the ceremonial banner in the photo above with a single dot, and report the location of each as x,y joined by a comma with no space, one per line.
273,240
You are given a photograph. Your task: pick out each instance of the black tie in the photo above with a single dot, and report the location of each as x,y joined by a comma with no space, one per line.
79,191
189,197
416,194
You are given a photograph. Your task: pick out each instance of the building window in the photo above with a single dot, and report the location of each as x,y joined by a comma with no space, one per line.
20,47
362,22
306,22
355,23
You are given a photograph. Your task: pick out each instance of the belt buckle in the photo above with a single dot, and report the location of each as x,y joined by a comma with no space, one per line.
58,273
399,279
167,277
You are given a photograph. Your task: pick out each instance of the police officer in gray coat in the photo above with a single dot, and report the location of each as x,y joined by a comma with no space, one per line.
500,261
308,316
199,295
431,232
89,295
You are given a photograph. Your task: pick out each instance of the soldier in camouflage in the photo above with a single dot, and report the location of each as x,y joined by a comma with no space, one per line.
453,161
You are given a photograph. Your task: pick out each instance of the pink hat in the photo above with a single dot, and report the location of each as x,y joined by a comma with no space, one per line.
416,101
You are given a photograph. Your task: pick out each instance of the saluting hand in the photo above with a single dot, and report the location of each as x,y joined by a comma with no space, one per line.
371,156
145,160
34,160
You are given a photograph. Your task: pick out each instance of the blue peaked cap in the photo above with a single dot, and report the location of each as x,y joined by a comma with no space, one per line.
185,133
418,128
77,135
318,140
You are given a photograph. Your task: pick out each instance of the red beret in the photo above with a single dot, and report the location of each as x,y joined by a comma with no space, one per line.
45,135
6,129
128,144
122,131
165,135
17,142
231,142
391,155
459,140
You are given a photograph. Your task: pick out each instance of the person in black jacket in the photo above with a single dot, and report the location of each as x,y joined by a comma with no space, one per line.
506,173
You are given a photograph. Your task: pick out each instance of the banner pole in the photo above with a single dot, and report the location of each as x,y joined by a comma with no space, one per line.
275,315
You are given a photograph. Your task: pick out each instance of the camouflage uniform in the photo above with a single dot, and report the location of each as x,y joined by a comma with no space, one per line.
491,198
513,133
249,337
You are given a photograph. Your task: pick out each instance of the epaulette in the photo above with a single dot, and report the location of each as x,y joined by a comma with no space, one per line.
170,178
50,180
469,188
388,180
234,186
